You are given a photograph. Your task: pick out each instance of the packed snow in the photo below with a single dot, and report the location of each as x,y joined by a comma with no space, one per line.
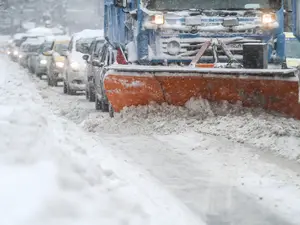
52,172
214,158
250,126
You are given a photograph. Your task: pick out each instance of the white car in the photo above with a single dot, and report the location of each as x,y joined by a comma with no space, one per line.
74,74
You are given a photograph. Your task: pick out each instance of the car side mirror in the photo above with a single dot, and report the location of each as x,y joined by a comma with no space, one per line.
120,3
97,63
85,57
49,53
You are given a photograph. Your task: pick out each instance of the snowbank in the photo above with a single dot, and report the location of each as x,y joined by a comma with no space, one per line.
249,126
53,173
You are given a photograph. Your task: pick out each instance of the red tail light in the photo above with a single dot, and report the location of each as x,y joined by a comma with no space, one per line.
121,59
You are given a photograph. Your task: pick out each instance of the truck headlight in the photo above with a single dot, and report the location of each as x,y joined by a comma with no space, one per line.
59,64
43,62
75,66
173,47
16,52
20,56
268,18
158,19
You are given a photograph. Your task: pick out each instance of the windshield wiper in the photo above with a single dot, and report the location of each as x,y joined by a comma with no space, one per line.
237,9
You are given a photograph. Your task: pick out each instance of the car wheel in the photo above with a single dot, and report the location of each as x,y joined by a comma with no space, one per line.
65,88
87,95
70,91
104,106
49,81
97,104
91,95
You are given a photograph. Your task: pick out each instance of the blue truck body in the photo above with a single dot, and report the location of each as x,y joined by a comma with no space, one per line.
296,18
131,26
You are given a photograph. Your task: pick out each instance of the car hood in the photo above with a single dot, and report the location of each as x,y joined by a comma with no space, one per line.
59,59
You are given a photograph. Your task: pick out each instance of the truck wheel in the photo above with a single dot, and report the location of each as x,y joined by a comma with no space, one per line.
97,104
111,111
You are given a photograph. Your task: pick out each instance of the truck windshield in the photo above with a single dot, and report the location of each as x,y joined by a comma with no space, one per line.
212,4
292,48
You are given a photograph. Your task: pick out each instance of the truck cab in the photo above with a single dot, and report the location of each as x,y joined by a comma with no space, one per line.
292,50
160,31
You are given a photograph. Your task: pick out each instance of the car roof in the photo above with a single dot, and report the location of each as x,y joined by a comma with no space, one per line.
61,41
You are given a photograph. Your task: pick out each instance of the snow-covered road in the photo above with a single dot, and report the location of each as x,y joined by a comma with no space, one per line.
170,166
52,172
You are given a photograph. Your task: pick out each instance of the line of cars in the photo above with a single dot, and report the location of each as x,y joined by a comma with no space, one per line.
79,61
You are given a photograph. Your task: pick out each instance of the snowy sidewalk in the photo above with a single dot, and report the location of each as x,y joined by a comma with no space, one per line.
54,173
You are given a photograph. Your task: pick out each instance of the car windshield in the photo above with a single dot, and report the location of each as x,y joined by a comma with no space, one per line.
33,48
18,42
213,4
99,46
293,48
61,47
83,45
24,48
46,47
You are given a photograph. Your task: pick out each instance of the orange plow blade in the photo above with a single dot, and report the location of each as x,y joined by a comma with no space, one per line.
273,90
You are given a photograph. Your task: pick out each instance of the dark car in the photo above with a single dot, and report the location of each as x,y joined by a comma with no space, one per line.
93,55
106,58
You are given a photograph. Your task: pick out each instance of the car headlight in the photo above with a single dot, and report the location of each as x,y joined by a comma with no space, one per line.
75,66
158,19
20,56
43,62
173,47
16,52
59,64
268,18
8,52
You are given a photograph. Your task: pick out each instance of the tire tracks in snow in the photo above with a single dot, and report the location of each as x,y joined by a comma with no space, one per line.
197,180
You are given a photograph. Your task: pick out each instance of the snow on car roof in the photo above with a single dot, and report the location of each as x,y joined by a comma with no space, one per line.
88,33
45,31
19,35
35,41
62,38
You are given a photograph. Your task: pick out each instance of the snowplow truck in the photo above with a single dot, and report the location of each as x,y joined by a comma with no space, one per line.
173,50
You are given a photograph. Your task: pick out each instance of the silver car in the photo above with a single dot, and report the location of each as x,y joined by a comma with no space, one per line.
41,62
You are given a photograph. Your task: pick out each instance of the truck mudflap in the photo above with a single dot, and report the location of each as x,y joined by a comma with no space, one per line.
271,89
